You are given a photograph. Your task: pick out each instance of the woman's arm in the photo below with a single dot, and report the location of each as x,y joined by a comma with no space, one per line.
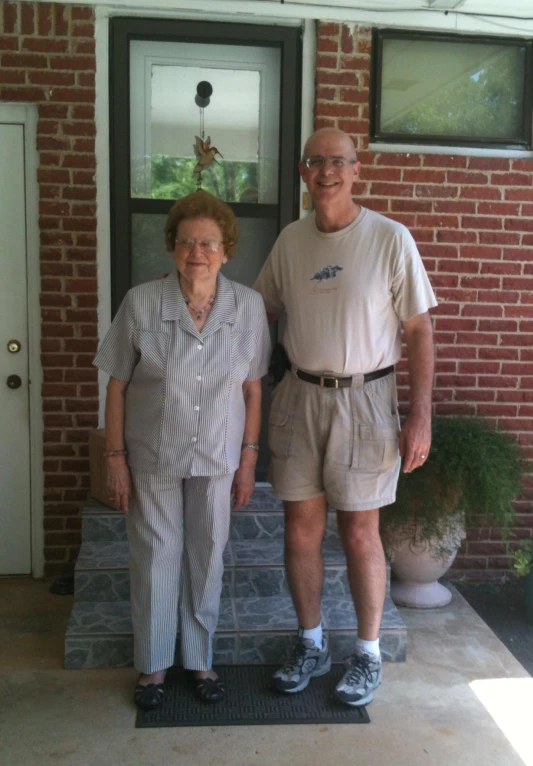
118,474
244,480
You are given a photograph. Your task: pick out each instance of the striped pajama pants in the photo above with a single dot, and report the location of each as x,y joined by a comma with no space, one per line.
177,531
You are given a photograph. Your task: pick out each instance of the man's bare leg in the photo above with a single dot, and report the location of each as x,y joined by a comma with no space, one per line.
367,572
365,558
305,524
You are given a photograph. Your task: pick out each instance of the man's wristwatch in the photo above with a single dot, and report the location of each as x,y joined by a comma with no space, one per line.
252,445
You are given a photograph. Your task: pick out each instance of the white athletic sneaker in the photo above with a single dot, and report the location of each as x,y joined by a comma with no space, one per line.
306,661
357,685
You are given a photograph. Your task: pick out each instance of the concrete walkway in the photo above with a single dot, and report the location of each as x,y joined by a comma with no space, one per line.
461,699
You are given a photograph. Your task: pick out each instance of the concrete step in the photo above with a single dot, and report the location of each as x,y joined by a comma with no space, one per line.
252,568
250,630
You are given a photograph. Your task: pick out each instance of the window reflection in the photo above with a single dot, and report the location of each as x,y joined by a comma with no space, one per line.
453,89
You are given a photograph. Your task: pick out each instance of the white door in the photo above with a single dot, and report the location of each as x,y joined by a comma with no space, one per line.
15,513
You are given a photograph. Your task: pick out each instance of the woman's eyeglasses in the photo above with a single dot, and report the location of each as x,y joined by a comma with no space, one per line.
205,245
317,162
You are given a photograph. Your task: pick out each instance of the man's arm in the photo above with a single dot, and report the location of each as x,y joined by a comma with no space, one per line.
415,436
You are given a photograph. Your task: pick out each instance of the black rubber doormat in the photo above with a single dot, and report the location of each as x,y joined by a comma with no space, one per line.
251,701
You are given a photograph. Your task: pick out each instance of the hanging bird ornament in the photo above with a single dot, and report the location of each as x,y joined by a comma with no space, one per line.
204,152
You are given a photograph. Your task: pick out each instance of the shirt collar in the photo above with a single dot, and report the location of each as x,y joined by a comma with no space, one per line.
174,307
173,302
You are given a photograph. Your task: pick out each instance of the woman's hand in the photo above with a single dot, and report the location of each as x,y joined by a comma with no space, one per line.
244,481
119,482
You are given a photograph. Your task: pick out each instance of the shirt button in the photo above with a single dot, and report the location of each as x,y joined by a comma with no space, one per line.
200,347
196,407
198,377
194,439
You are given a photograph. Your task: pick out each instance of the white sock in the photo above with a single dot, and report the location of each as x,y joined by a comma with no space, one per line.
369,647
315,634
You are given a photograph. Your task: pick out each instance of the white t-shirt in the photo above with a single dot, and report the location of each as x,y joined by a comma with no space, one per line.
345,293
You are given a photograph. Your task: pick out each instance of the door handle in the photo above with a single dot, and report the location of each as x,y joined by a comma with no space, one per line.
14,346
14,381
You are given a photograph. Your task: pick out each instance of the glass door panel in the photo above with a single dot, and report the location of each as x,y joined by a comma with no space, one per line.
151,260
242,120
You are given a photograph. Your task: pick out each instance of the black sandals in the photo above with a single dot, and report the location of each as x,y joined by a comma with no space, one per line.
149,697
209,689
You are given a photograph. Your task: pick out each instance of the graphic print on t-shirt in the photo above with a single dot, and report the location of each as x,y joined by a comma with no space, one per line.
328,272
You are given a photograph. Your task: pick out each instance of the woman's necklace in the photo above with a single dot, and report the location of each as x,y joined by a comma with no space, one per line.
198,313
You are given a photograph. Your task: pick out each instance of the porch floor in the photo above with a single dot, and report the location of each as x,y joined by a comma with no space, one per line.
461,698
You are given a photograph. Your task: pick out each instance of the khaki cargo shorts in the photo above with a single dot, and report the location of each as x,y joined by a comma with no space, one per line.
342,443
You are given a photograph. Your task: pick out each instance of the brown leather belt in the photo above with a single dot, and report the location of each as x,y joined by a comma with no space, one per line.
330,381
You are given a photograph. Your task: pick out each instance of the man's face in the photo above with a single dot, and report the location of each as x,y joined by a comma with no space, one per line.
330,183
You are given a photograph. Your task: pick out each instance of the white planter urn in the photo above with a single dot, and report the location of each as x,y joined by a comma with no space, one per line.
419,564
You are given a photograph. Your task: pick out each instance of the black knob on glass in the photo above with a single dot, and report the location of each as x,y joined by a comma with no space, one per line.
14,381
204,90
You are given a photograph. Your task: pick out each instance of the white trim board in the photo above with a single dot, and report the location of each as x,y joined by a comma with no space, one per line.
103,212
468,151
475,16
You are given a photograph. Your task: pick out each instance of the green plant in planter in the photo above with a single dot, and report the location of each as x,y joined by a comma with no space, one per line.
523,558
523,566
470,478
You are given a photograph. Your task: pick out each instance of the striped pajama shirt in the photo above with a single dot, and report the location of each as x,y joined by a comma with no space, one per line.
184,422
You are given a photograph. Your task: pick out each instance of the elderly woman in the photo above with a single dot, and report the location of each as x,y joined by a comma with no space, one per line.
185,355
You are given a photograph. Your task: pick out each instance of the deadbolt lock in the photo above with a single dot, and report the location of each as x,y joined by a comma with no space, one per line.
14,346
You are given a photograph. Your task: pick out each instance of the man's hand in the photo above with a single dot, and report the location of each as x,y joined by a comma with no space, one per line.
415,441
119,482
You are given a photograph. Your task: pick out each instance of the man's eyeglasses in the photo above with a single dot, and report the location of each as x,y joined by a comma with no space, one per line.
206,245
317,162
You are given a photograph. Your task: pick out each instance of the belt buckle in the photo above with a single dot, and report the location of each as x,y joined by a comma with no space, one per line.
328,377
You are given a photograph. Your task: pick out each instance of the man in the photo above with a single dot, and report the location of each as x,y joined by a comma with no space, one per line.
347,279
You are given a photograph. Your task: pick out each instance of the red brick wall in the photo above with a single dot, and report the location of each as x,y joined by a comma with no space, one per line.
47,57
472,218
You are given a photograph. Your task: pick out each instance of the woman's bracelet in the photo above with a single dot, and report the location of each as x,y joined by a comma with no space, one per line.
113,452
253,445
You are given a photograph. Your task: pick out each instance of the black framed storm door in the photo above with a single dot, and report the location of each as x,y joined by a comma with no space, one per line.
252,118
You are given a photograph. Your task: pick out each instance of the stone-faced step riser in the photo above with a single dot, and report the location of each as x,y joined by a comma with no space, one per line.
257,525
228,649
236,615
252,568
242,582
